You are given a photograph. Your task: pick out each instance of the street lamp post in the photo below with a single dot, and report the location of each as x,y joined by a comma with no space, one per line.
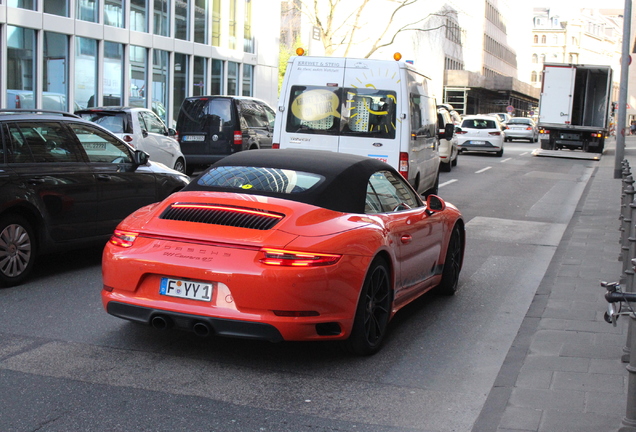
622,96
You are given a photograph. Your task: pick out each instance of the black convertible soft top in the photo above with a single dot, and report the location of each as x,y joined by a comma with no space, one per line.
346,176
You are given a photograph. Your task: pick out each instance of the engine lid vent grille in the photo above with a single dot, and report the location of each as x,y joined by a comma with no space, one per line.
215,214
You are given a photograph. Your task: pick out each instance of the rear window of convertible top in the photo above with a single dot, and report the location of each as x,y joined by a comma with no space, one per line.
259,179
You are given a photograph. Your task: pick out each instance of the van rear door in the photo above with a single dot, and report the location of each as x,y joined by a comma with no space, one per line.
369,120
311,104
557,94
205,126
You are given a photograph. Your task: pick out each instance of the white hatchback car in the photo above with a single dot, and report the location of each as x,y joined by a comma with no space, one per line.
448,150
143,130
482,133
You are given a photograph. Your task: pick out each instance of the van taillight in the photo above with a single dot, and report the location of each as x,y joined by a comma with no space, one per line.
404,165
276,145
238,138
17,102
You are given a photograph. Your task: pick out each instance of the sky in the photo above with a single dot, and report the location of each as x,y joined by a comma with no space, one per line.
604,4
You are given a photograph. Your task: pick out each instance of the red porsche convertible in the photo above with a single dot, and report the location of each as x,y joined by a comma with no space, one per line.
284,245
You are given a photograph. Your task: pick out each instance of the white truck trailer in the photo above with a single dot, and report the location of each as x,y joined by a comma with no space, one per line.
574,107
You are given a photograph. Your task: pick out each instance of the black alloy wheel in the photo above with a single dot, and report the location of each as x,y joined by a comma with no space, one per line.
17,250
373,311
452,265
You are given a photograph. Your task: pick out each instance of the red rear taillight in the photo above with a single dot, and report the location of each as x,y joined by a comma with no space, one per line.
123,239
128,139
276,146
17,102
238,138
461,132
529,128
279,257
404,165
494,133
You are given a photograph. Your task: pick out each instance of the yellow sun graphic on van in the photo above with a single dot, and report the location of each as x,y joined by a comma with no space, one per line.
371,111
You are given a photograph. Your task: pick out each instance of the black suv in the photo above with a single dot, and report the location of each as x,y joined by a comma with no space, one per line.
212,127
66,183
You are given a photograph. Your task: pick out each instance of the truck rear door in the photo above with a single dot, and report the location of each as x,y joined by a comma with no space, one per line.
556,94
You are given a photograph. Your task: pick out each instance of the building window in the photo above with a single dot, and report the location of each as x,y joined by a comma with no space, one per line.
138,78
543,39
232,26
200,76
161,20
55,71
113,82
21,51
248,40
248,71
180,89
138,18
23,4
217,77
555,39
535,58
182,19
533,76
232,78
160,80
87,10
114,13
536,39
216,22
56,7
85,71
201,21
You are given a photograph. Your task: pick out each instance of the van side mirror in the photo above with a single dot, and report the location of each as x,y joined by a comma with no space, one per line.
449,131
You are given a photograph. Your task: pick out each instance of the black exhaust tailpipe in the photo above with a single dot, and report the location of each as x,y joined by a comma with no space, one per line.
160,322
201,329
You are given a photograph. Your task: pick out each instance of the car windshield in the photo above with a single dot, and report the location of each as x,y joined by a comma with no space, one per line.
248,179
479,124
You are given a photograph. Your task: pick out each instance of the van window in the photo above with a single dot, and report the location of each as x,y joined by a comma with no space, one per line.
342,111
204,114
314,109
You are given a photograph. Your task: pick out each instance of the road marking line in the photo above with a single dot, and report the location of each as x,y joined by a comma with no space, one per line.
524,153
482,170
448,182
507,159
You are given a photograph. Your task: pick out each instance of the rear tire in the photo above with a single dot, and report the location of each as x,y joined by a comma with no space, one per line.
452,265
446,167
179,165
499,153
373,311
17,250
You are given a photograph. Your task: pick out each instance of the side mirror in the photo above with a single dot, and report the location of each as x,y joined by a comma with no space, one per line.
449,131
172,132
434,204
144,133
140,157
457,129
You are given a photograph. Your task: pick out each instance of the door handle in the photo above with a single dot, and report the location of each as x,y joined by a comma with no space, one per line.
406,238
103,177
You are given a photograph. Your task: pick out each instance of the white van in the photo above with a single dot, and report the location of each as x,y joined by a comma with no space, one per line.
374,108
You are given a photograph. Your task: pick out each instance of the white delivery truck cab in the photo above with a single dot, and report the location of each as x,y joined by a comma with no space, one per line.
375,108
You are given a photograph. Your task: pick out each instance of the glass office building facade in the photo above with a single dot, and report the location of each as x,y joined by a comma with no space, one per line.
71,54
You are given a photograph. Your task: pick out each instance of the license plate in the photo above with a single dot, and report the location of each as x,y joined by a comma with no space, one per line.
186,289
194,138
478,142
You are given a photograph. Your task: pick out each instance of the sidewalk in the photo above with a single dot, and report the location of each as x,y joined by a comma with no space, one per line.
563,372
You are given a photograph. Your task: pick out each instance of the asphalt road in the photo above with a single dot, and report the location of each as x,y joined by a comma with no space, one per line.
65,365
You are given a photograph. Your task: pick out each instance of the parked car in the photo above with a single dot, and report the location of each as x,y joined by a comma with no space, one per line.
142,129
212,127
503,117
522,128
482,133
284,245
66,184
448,149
